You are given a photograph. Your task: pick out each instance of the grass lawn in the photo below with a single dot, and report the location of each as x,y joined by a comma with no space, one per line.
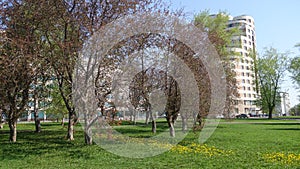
234,144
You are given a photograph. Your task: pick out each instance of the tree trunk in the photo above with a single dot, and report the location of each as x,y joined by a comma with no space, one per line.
270,113
1,122
88,136
70,135
153,118
37,123
35,112
134,117
13,130
184,123
88,133
172,130
153,126
147,117
131,114
62,122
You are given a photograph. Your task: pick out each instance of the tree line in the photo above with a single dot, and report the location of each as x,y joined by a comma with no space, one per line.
41,40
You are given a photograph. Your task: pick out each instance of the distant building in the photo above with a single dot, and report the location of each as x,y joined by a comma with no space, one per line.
243,64
41,102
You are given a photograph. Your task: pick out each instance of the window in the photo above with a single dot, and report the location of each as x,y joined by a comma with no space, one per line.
248,81
242,67
249,95
245,47
244,88
247,102
235,102
243,74
245,95
243,81
249,88
248,74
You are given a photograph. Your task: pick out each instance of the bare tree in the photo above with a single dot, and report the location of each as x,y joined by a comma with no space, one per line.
93,15
70,24
122,51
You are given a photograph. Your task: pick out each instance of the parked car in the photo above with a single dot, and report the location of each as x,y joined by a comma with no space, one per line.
242,116
220,116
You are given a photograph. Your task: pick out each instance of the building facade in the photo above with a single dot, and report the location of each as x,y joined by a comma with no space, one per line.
284,105
244,45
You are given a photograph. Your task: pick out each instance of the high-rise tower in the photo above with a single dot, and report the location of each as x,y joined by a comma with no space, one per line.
244,45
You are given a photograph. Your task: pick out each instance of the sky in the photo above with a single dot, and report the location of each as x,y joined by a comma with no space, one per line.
277,24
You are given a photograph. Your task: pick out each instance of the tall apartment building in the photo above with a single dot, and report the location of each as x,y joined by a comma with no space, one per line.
243,64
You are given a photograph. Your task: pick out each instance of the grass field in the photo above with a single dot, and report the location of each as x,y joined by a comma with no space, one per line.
234,144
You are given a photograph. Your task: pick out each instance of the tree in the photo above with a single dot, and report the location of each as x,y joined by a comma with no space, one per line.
271,68
21,59
143,86
61,27
220,37
64,26
152,42
294,68
295,111
93,15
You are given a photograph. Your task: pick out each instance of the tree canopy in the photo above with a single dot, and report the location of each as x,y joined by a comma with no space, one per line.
271,68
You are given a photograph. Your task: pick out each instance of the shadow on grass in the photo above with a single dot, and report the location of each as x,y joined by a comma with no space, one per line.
278,124
283,129
50,140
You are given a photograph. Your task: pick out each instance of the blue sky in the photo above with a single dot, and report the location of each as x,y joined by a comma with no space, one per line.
277,24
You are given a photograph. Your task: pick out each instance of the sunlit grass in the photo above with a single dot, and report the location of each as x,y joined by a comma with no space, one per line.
234,144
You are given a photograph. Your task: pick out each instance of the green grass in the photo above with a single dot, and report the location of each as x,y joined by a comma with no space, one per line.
249,141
